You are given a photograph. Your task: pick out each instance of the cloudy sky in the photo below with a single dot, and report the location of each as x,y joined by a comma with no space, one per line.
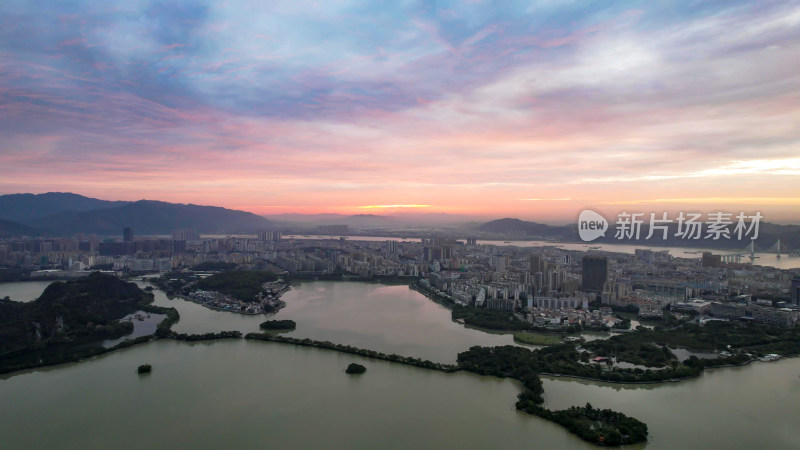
526,109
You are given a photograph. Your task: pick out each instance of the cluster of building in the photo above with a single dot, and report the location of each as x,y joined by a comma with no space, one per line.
216,300
547,283
268,300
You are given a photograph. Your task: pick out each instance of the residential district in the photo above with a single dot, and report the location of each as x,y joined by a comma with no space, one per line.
548,285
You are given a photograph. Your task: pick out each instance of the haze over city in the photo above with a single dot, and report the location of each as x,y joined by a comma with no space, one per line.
532,110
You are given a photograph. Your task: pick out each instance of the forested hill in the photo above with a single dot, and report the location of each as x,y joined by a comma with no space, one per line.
85,308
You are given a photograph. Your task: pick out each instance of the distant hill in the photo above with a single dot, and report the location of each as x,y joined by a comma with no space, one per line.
13,229
148,217
531,229
368,221
26,207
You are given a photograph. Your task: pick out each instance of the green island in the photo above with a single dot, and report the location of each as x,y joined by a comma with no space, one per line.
355,369
278,325
144,368
242,285
598,426
70,320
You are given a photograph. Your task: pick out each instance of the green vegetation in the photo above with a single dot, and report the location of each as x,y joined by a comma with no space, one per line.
525,337
492,319
80,310
495,319
642,347
206,336
242,285
164,329
8,274
144,368
214,266
598,426
278,325
354,368
717,336
425,364
70,320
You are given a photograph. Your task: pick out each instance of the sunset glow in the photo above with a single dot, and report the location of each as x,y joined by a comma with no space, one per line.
533,110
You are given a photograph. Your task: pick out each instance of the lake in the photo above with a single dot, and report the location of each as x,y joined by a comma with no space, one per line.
23,291
389,319
252,394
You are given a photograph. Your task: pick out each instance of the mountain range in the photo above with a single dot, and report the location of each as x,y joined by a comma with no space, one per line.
64,214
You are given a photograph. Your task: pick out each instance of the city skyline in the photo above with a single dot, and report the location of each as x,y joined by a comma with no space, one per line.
533,110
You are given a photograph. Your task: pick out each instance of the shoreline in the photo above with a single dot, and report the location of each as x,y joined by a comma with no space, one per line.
282,305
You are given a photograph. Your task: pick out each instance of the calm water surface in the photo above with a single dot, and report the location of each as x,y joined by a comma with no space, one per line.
389,319
241,394
23,291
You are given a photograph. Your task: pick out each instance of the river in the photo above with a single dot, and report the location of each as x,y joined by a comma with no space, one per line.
246,394
763,259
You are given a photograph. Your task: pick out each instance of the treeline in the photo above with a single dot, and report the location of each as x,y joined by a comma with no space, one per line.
214,266
713,336
341,276
59,354
425,364
492,319
9,274
278,325
560,359
495,319
206,336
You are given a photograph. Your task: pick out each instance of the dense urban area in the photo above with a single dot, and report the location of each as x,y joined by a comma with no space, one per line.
546,286
670,317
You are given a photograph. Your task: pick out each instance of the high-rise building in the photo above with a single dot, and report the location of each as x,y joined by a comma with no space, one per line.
711,260
334,229
186,234
127,234
269,236
795,290
595,273
537,263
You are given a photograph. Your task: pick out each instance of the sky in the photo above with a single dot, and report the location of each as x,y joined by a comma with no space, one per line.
534,110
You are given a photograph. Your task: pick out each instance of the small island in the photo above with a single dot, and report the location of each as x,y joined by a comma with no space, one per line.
354,368
144,368
278,325
238,291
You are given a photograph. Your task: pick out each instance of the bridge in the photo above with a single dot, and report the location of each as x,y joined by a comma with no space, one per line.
750,252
